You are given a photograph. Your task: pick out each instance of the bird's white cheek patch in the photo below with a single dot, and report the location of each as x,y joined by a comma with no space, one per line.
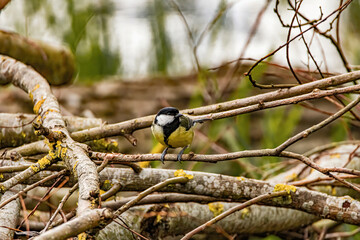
162,120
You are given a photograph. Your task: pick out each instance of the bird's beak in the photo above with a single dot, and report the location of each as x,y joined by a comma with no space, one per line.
178,115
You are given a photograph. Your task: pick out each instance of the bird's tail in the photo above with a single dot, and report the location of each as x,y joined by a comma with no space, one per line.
201,120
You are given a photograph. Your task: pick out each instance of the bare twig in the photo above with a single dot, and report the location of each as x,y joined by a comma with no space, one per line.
111,192
295,37
163,198
232,210
342,234
42,199
67,195
32,187
287,40
318,126
149,191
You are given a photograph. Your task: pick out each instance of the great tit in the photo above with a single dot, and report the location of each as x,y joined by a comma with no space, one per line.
173,130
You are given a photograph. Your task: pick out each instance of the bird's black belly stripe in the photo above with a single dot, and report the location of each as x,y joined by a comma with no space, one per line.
169,129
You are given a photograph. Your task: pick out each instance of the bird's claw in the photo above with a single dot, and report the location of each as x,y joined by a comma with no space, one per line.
181,153
162,158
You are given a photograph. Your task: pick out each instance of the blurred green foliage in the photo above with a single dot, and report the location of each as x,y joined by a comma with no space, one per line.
339,131
353,30
85,29
160,38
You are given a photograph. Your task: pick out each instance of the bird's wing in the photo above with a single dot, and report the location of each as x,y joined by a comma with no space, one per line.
186,122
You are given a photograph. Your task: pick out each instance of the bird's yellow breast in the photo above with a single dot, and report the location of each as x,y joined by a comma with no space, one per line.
181,137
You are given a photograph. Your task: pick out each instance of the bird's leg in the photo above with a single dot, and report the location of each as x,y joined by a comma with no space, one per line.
163,155
181,153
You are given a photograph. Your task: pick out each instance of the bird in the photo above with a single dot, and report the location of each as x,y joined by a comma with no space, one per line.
173,130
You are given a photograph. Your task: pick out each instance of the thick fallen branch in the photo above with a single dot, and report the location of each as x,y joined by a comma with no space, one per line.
9,214
87,220
222,186
238,189
178,218
51,124
55,63
231,211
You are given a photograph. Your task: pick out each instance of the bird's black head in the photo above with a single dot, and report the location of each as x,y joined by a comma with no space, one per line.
168,111
168,115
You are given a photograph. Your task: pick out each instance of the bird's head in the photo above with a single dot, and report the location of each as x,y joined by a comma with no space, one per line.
167,116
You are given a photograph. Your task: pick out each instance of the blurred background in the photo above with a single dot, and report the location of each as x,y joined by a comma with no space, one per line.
134,57
148,37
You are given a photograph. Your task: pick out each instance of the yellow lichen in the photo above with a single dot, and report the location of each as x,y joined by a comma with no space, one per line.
46,141
2,188
144,164
333,191
335,155
38,120
35,168
38,105
56,150
23,134
44,162
1,176
284,199
240,178
182,173
82,236
75,164
291,177
52,154
283,187
31,96
106,185
93,203
158,218
63,152
245,213
36,87
216,208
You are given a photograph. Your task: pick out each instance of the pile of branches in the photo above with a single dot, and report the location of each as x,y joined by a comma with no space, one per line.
173,203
